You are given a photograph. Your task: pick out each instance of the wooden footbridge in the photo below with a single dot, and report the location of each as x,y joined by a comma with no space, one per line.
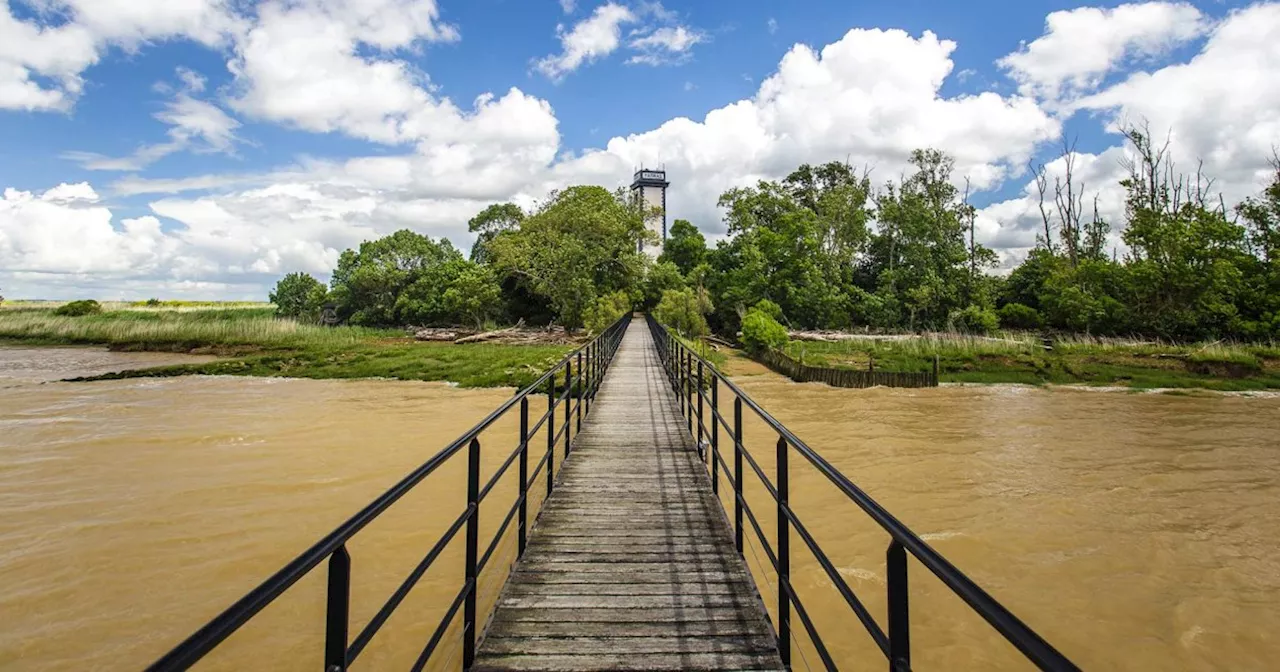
631,563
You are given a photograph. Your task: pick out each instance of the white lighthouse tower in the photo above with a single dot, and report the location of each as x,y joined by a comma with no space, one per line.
649,188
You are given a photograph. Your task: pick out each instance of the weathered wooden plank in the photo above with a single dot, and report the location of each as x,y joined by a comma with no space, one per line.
511,628
584,645
524,577
623,588
690,600
624,616
615,662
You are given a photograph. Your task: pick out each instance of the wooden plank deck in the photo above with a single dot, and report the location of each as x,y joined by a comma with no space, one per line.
631,564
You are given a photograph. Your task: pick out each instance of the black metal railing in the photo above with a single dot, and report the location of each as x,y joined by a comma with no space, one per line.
697,384
583,370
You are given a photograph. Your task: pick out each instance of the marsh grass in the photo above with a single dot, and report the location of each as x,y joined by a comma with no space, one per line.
178,329
260,344
1022,358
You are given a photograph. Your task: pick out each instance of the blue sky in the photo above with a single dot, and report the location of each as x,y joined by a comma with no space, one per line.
313,124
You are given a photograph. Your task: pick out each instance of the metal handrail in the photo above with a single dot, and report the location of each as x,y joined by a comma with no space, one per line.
687,373
590,363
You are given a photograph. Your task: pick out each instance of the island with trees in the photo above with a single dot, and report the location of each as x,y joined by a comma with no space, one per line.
824,264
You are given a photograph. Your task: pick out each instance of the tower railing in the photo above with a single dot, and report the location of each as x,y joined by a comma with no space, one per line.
698,384
572,383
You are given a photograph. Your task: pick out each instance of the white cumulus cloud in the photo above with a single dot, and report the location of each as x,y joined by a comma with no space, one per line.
30,51
1080,46
592,38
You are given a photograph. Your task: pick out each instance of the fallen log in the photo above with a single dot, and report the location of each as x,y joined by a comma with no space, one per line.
490,335
440,334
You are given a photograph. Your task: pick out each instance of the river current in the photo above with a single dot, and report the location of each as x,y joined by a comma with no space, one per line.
1134,531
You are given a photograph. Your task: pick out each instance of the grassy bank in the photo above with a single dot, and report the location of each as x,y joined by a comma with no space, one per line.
255,343
1022,358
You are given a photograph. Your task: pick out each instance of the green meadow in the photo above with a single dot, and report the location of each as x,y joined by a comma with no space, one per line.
252,341
1082,360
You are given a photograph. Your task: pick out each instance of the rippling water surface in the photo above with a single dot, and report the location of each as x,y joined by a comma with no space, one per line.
1135,531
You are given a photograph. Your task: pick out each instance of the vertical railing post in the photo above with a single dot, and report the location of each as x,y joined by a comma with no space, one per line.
551,433
899,618
737,473
568,404
473,541
337,611
688,387
680,380
523,531
715,434
581,390
784,558
698,391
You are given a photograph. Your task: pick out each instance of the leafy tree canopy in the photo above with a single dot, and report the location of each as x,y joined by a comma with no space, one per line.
581,244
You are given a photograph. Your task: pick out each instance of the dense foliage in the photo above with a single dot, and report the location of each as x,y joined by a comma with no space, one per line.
825,248
79,308
761,330
683,310
297,295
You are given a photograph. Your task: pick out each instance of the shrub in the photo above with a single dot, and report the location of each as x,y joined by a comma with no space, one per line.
761,332
682,310
769,308
1018,316
606,310
153,303
975,320
79,308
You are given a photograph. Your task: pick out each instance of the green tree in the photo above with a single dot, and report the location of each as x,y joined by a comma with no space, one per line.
775,253
841,200
368,283
474,295
422,302
582,243
660,277
919,253
297,295
1185,255
489,224
1260,298
685,246
606,310
684,311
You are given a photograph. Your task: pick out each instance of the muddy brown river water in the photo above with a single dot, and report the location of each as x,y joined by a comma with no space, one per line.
1134,531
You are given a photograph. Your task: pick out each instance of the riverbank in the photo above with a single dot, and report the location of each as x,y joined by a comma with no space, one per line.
1023,358
250,341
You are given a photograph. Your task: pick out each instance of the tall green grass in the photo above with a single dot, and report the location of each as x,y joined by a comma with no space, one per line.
178,328
1022,357
264,345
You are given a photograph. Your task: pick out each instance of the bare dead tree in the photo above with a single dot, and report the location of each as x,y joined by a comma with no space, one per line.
1068,203
1042,186
971,214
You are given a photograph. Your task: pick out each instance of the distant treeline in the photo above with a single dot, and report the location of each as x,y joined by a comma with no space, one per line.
825,248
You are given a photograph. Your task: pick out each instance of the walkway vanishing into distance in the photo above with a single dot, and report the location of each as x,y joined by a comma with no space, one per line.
632,563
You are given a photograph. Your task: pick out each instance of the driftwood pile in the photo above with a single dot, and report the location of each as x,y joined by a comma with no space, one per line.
517,335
